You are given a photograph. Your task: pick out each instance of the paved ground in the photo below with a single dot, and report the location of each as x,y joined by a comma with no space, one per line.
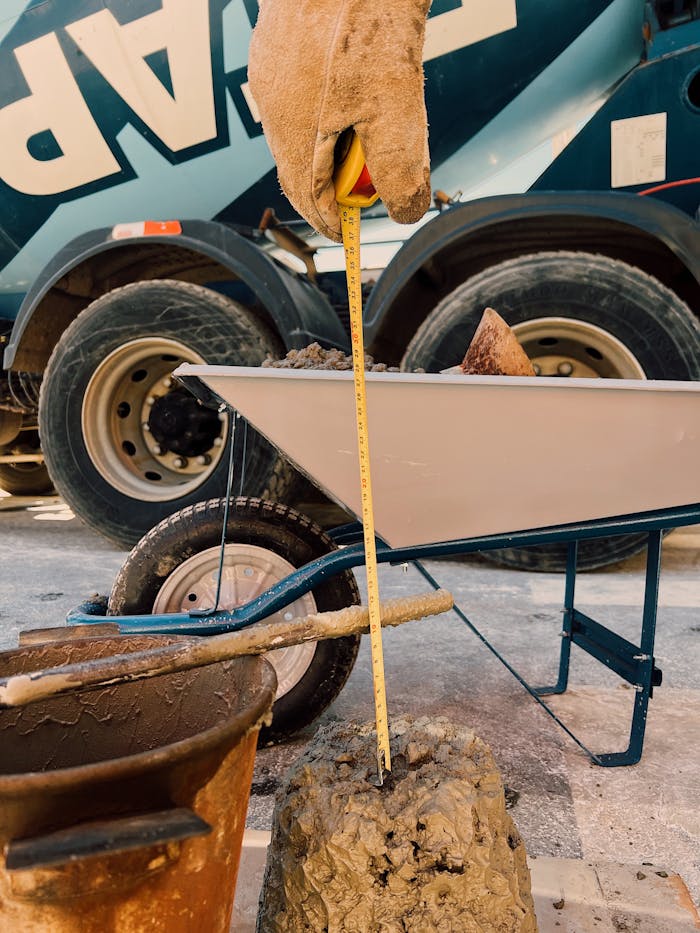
563,805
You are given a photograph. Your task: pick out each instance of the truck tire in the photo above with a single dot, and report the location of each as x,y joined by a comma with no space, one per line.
174,567
30,478
124,444
576,314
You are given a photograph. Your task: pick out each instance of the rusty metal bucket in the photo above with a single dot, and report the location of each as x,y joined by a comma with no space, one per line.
123,808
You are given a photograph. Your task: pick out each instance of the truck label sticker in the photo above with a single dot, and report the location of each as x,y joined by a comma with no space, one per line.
638,150
467,23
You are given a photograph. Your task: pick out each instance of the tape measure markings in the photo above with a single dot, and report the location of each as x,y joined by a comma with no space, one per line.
350,223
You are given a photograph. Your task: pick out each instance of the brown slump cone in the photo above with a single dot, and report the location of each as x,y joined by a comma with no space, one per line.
432,850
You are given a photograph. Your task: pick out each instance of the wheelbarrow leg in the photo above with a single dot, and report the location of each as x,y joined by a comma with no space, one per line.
649,676
567,624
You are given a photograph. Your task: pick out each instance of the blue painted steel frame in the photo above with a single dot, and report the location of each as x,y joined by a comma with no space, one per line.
634,663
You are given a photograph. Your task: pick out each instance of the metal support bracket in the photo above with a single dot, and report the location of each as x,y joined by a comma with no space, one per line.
633,663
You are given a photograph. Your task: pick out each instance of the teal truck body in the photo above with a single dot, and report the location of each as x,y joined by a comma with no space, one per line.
141,224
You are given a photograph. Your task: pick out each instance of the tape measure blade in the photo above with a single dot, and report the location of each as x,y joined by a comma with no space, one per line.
350,223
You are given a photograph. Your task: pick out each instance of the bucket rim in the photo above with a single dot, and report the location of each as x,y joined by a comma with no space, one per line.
23,783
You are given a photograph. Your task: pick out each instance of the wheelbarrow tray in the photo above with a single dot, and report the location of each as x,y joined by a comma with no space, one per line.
463,456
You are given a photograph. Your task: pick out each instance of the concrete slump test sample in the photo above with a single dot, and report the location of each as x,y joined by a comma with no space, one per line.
433,849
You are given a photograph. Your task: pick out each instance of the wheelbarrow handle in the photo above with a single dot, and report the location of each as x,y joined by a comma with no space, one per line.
23,689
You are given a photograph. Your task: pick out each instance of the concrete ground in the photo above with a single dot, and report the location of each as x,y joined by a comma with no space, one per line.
570,895
565,807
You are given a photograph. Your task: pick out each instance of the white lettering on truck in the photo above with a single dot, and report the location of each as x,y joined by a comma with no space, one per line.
183,119
470,22
179,120
55,104
182,28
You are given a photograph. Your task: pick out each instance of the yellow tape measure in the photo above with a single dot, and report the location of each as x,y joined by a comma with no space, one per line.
354,191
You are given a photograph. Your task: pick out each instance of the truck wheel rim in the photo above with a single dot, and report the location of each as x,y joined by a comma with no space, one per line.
125,389
569,347
248,571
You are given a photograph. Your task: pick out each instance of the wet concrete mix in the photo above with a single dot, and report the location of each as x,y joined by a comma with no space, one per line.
433,849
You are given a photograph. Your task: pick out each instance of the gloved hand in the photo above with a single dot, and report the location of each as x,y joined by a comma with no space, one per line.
319,67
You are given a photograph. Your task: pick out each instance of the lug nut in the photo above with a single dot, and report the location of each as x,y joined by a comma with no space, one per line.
180,463
151,400
168,381
157,450
565,368
146,427
218,442
204,459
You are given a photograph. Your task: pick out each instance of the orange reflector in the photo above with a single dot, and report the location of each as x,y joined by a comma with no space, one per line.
147,228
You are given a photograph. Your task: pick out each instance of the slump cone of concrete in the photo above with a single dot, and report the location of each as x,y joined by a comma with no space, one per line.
495,351
434,849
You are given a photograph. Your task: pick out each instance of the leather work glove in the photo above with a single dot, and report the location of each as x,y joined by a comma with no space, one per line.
319,67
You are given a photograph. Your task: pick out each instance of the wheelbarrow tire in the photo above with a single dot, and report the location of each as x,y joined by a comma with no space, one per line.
124,444
588,314
255,523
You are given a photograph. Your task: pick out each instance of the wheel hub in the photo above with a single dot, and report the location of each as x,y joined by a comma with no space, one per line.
248,570
130,394
180,424
568,347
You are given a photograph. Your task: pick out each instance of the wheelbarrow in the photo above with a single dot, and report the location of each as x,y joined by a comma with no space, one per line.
459,464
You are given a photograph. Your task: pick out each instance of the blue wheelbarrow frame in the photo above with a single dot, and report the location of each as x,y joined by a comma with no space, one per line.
634,663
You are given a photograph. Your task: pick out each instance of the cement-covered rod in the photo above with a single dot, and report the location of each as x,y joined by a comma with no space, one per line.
22,689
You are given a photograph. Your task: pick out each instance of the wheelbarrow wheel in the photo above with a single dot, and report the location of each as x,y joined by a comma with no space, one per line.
175,567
